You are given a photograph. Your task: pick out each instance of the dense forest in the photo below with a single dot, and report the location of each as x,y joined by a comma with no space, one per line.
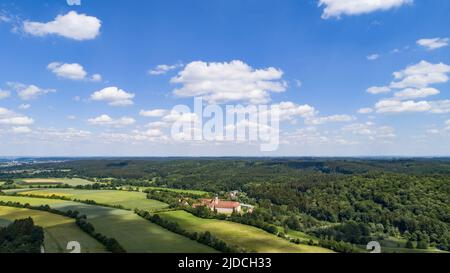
341,199
22,236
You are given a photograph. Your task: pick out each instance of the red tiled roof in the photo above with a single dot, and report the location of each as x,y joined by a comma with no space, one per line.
221,204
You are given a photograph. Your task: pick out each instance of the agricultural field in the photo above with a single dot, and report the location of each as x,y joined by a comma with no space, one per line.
53,181
127,199
134,233
194,192
248,237
58,230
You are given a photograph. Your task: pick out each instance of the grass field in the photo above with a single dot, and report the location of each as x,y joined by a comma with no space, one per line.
58,230
54,181
129,200
135,234
175,190
248,237
303,237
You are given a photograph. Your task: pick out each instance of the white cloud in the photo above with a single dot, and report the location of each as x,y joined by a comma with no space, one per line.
153,113
69,71
289,110
105,120
373,57
337,8
8,117
180,117
328,119
433,43
74,2
24,106
96,78
67,135
411,93
365,111
396,106
29,92
440,107
4,94
21,130
370,130
71,25
114,96
378,90
72,71
163,69
225,82
421,75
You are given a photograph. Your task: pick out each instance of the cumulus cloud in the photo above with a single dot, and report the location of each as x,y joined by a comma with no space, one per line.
71,71
163,69
74,2
65,135
412,93
8,117
289,110
225,82
328,119
114,96
433,43
370,130
4,94
421,75
337,8
373,57
153,113
29,92
378,90
414,83
71,25
105,120
396,106
96,78
365,111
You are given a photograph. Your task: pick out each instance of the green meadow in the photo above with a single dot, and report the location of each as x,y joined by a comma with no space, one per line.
248,237
58,230
54,181
127,199
195,192
134,233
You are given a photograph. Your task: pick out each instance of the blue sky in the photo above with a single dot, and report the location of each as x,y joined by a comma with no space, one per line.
101,78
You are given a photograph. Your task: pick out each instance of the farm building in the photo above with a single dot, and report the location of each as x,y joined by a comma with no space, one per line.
225,207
